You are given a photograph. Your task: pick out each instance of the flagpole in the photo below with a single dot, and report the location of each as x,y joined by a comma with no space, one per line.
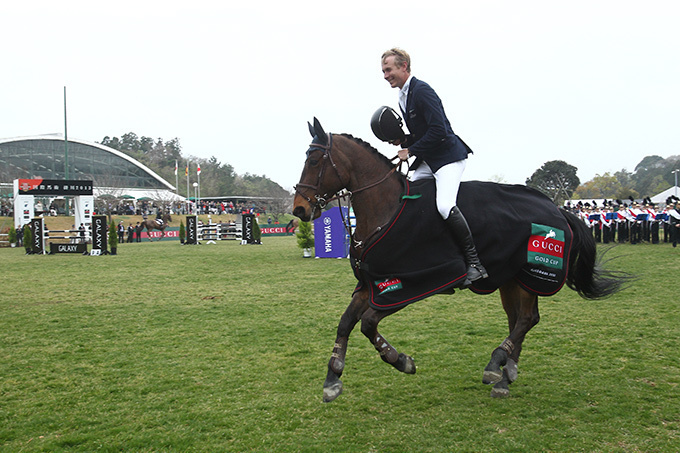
186,172
198,177
176,179
66,203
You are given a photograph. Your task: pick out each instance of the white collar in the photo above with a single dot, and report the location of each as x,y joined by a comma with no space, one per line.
404,89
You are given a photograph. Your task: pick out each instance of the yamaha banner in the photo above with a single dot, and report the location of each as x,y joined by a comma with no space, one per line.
330,234
99,233
247,228
192,230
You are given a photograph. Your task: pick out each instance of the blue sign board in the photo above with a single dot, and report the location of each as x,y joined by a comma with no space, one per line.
330,236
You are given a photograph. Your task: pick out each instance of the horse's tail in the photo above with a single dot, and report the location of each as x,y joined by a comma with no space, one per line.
586,274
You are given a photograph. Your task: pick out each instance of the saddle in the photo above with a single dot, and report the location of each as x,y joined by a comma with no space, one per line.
519,233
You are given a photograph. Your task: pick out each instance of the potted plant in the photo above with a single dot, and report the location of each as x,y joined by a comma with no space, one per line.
12,236
28,239
182,232
113,238
257,233
305,239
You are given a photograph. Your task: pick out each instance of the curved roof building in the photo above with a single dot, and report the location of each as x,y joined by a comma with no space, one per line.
42,156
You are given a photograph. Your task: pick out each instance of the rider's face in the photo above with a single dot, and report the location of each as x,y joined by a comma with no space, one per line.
395,75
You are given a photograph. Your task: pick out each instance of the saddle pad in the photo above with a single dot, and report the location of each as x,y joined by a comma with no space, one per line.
414,257
519,234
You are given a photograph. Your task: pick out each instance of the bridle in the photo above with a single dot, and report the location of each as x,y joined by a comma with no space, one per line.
321,201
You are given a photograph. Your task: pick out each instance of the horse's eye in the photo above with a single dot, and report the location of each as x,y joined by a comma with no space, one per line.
313,162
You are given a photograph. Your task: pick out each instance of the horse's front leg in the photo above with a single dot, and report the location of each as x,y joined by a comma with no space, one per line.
369,327
332,387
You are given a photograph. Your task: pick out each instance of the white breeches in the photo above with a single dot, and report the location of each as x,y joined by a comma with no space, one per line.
447,180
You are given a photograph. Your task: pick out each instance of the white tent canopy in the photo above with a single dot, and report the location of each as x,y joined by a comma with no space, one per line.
154,194
663,196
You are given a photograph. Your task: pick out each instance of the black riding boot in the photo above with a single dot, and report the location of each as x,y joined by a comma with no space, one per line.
461,233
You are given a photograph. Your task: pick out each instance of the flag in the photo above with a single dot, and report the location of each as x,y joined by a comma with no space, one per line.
198,169
186,172
175,168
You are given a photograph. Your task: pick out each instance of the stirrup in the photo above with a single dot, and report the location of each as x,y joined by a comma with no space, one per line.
478,272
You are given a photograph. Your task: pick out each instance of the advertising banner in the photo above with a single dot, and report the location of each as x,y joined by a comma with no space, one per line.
54,187
192,230
38,227
99,237
68,248
330,235
247,228
23,210
275,230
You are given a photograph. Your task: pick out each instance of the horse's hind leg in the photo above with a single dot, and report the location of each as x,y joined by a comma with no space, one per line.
369,327
332,387
521,308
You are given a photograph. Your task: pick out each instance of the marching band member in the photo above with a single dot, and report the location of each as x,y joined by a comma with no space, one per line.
674,218
607,221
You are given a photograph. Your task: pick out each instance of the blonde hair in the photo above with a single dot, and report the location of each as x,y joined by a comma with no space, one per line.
400,57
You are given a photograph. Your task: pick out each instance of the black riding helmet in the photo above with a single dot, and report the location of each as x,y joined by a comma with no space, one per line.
386,124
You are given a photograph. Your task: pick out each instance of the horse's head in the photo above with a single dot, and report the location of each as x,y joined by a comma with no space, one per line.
167,218
317,185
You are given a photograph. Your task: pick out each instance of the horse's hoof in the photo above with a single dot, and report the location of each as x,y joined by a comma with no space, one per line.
500,392
406,364
492,376
493,372
332,391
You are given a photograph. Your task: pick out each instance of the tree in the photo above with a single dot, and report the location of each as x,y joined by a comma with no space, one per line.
601,186
556,179
217,179
625,178
650,162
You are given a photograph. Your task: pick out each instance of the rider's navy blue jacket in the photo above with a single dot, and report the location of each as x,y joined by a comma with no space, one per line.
431,137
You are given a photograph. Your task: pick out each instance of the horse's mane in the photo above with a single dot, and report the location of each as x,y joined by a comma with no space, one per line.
369,148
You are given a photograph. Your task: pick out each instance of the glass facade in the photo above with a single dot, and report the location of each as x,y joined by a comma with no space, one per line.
44,158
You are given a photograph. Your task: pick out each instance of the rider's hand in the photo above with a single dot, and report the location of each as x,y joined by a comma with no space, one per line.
403,154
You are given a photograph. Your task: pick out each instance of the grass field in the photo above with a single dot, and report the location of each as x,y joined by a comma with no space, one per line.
224,348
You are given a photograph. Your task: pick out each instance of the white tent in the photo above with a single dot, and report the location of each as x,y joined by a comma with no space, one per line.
661,197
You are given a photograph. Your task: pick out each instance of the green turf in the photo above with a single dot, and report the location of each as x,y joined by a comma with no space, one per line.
224,348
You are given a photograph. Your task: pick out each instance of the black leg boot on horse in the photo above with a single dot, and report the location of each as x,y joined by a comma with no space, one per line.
461,233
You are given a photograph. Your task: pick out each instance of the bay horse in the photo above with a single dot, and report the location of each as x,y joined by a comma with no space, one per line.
340,166
152,224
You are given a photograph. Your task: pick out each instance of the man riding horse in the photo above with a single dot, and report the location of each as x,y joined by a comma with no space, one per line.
440,154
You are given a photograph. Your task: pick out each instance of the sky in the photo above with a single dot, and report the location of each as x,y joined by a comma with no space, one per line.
593,83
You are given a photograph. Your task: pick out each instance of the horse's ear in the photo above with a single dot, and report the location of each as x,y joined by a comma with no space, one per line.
311,128
320,132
